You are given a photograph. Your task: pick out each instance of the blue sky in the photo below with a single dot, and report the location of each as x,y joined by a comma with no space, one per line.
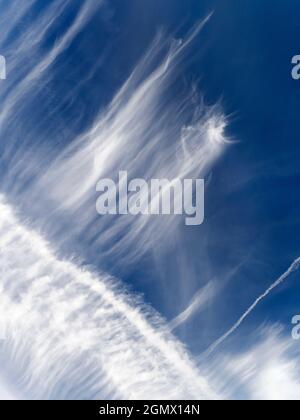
73,97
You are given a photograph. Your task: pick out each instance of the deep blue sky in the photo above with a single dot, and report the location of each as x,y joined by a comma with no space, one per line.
243,56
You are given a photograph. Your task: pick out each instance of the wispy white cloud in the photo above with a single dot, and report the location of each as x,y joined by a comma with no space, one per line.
198,302
141,132
268,370
27,48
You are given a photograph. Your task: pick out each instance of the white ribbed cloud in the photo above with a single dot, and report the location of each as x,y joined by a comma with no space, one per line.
71,334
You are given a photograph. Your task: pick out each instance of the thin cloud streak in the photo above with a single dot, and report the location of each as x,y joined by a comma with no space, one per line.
33,39
198,302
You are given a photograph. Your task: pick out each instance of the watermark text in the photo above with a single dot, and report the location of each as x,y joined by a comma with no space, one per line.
157,197
296,67
296,329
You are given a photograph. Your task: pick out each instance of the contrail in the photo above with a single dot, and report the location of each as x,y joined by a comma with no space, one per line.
294,267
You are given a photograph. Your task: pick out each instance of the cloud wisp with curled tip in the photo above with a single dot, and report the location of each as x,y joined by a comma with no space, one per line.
145,135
